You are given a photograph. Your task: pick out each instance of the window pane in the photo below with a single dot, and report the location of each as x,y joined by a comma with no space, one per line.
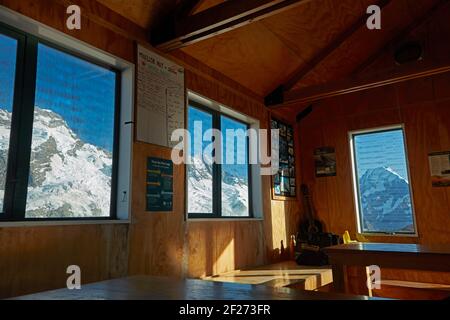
200,169
234,169
382,175
8,52
73,137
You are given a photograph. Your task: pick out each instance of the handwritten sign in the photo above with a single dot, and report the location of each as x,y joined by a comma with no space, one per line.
160,98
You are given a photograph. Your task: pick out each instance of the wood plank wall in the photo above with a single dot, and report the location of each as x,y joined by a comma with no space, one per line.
164,243
423,105
35,258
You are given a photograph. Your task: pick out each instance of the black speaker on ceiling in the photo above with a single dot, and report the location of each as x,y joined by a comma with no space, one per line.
408,52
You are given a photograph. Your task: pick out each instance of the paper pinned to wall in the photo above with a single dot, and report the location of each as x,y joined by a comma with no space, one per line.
160,98
440,168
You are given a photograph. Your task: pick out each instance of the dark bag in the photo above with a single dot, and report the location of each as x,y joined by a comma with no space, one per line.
309,257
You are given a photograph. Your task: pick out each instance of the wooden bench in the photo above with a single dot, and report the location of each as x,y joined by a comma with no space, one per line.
284,274
412,290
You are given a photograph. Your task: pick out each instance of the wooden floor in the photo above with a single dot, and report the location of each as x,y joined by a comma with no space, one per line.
160,288
283,274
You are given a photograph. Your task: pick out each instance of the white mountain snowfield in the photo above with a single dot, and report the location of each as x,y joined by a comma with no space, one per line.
68,177
386,201
234,190
5,127
71,178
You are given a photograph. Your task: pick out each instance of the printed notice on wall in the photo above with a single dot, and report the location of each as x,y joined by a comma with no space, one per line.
440,168
160,98
159,185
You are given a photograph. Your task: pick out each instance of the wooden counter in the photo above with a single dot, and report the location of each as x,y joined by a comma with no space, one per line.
386,255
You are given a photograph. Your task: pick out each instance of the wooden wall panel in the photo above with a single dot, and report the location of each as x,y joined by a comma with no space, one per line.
53,14
423,106
156,239
156,243
165,244
36,258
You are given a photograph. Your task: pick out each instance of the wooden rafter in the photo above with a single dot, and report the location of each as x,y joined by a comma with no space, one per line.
356,84
221,18
276,96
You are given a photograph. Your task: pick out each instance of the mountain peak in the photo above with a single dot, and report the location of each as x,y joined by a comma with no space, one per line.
385,200
68,177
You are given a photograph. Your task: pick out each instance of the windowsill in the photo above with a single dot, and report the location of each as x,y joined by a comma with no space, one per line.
47,223
395,235
389,238
223,219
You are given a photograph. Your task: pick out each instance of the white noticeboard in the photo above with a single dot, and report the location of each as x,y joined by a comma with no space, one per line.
160,98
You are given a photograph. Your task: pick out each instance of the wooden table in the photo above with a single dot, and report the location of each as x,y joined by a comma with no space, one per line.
386,255
283,274
160,288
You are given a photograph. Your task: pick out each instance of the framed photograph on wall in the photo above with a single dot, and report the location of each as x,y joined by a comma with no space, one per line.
325,162
284,184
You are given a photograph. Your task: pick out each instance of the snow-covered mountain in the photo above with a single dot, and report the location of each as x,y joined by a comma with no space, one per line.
5,127
234,189
68,177
385,201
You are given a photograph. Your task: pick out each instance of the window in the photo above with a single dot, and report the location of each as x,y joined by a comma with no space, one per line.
59,132
382,183
8,55
217,188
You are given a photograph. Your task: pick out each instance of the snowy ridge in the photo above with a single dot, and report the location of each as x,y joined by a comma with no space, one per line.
385,201
234,189
68,177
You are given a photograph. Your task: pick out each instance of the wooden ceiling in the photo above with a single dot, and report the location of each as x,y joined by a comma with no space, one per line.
317,41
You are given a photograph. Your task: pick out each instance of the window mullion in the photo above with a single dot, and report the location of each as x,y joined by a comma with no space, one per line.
25,129
217,169
17,101
250,180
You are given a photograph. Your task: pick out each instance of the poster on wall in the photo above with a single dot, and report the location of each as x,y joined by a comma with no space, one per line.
160,98
283,182
159,185
440,168
325,162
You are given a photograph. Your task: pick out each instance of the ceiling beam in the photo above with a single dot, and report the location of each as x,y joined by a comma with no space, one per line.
356,84
276,96
221,18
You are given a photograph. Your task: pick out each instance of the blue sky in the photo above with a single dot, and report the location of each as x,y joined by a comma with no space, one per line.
234,152
8,48
381,149
81,92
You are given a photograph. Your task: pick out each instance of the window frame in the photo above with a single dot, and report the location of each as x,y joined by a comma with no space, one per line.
6,212
19,152
356,187
217,171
